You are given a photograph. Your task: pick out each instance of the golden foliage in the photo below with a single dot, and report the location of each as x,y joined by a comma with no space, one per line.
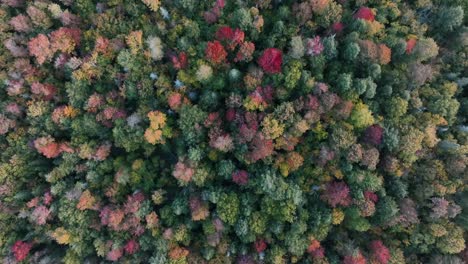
337,216
157,119
70,112
152,4
87,201
153,136
135,41
61,235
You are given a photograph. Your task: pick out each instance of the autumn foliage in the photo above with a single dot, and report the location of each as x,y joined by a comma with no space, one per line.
243,132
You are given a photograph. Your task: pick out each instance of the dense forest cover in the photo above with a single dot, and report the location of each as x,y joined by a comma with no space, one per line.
234,131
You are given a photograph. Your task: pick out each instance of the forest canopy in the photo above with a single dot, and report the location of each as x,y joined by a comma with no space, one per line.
234,131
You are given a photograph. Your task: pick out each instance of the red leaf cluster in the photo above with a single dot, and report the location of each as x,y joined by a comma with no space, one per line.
355,259
271,60
180,61
131,247
365,13
212,15
410,45
230,37
215,52
373,135
240,177
21,249
260,245
337,193
380,252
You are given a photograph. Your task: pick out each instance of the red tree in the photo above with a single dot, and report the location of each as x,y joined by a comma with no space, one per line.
365,13
215,52
380,252
240,177
21,249
337,193
271,60
373,135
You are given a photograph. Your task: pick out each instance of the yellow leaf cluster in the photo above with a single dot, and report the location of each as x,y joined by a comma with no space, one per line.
337,216
153,136
70,112
374,27
154,133
87,71
272,128
37,108
152,4
61,235
157,119
135,41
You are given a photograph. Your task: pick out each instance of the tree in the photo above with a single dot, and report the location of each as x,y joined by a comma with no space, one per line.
228,208
361,116
448,18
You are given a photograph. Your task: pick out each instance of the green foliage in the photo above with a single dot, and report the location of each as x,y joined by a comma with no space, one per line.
262,131
386,209
448,18
190,117
228,208
361,116
354,221
453,241
396,107
293,74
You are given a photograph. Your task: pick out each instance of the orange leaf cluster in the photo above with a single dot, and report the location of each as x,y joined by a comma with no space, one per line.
178,253
87,201
154,133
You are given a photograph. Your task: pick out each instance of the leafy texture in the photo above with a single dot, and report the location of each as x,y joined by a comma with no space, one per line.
215,131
